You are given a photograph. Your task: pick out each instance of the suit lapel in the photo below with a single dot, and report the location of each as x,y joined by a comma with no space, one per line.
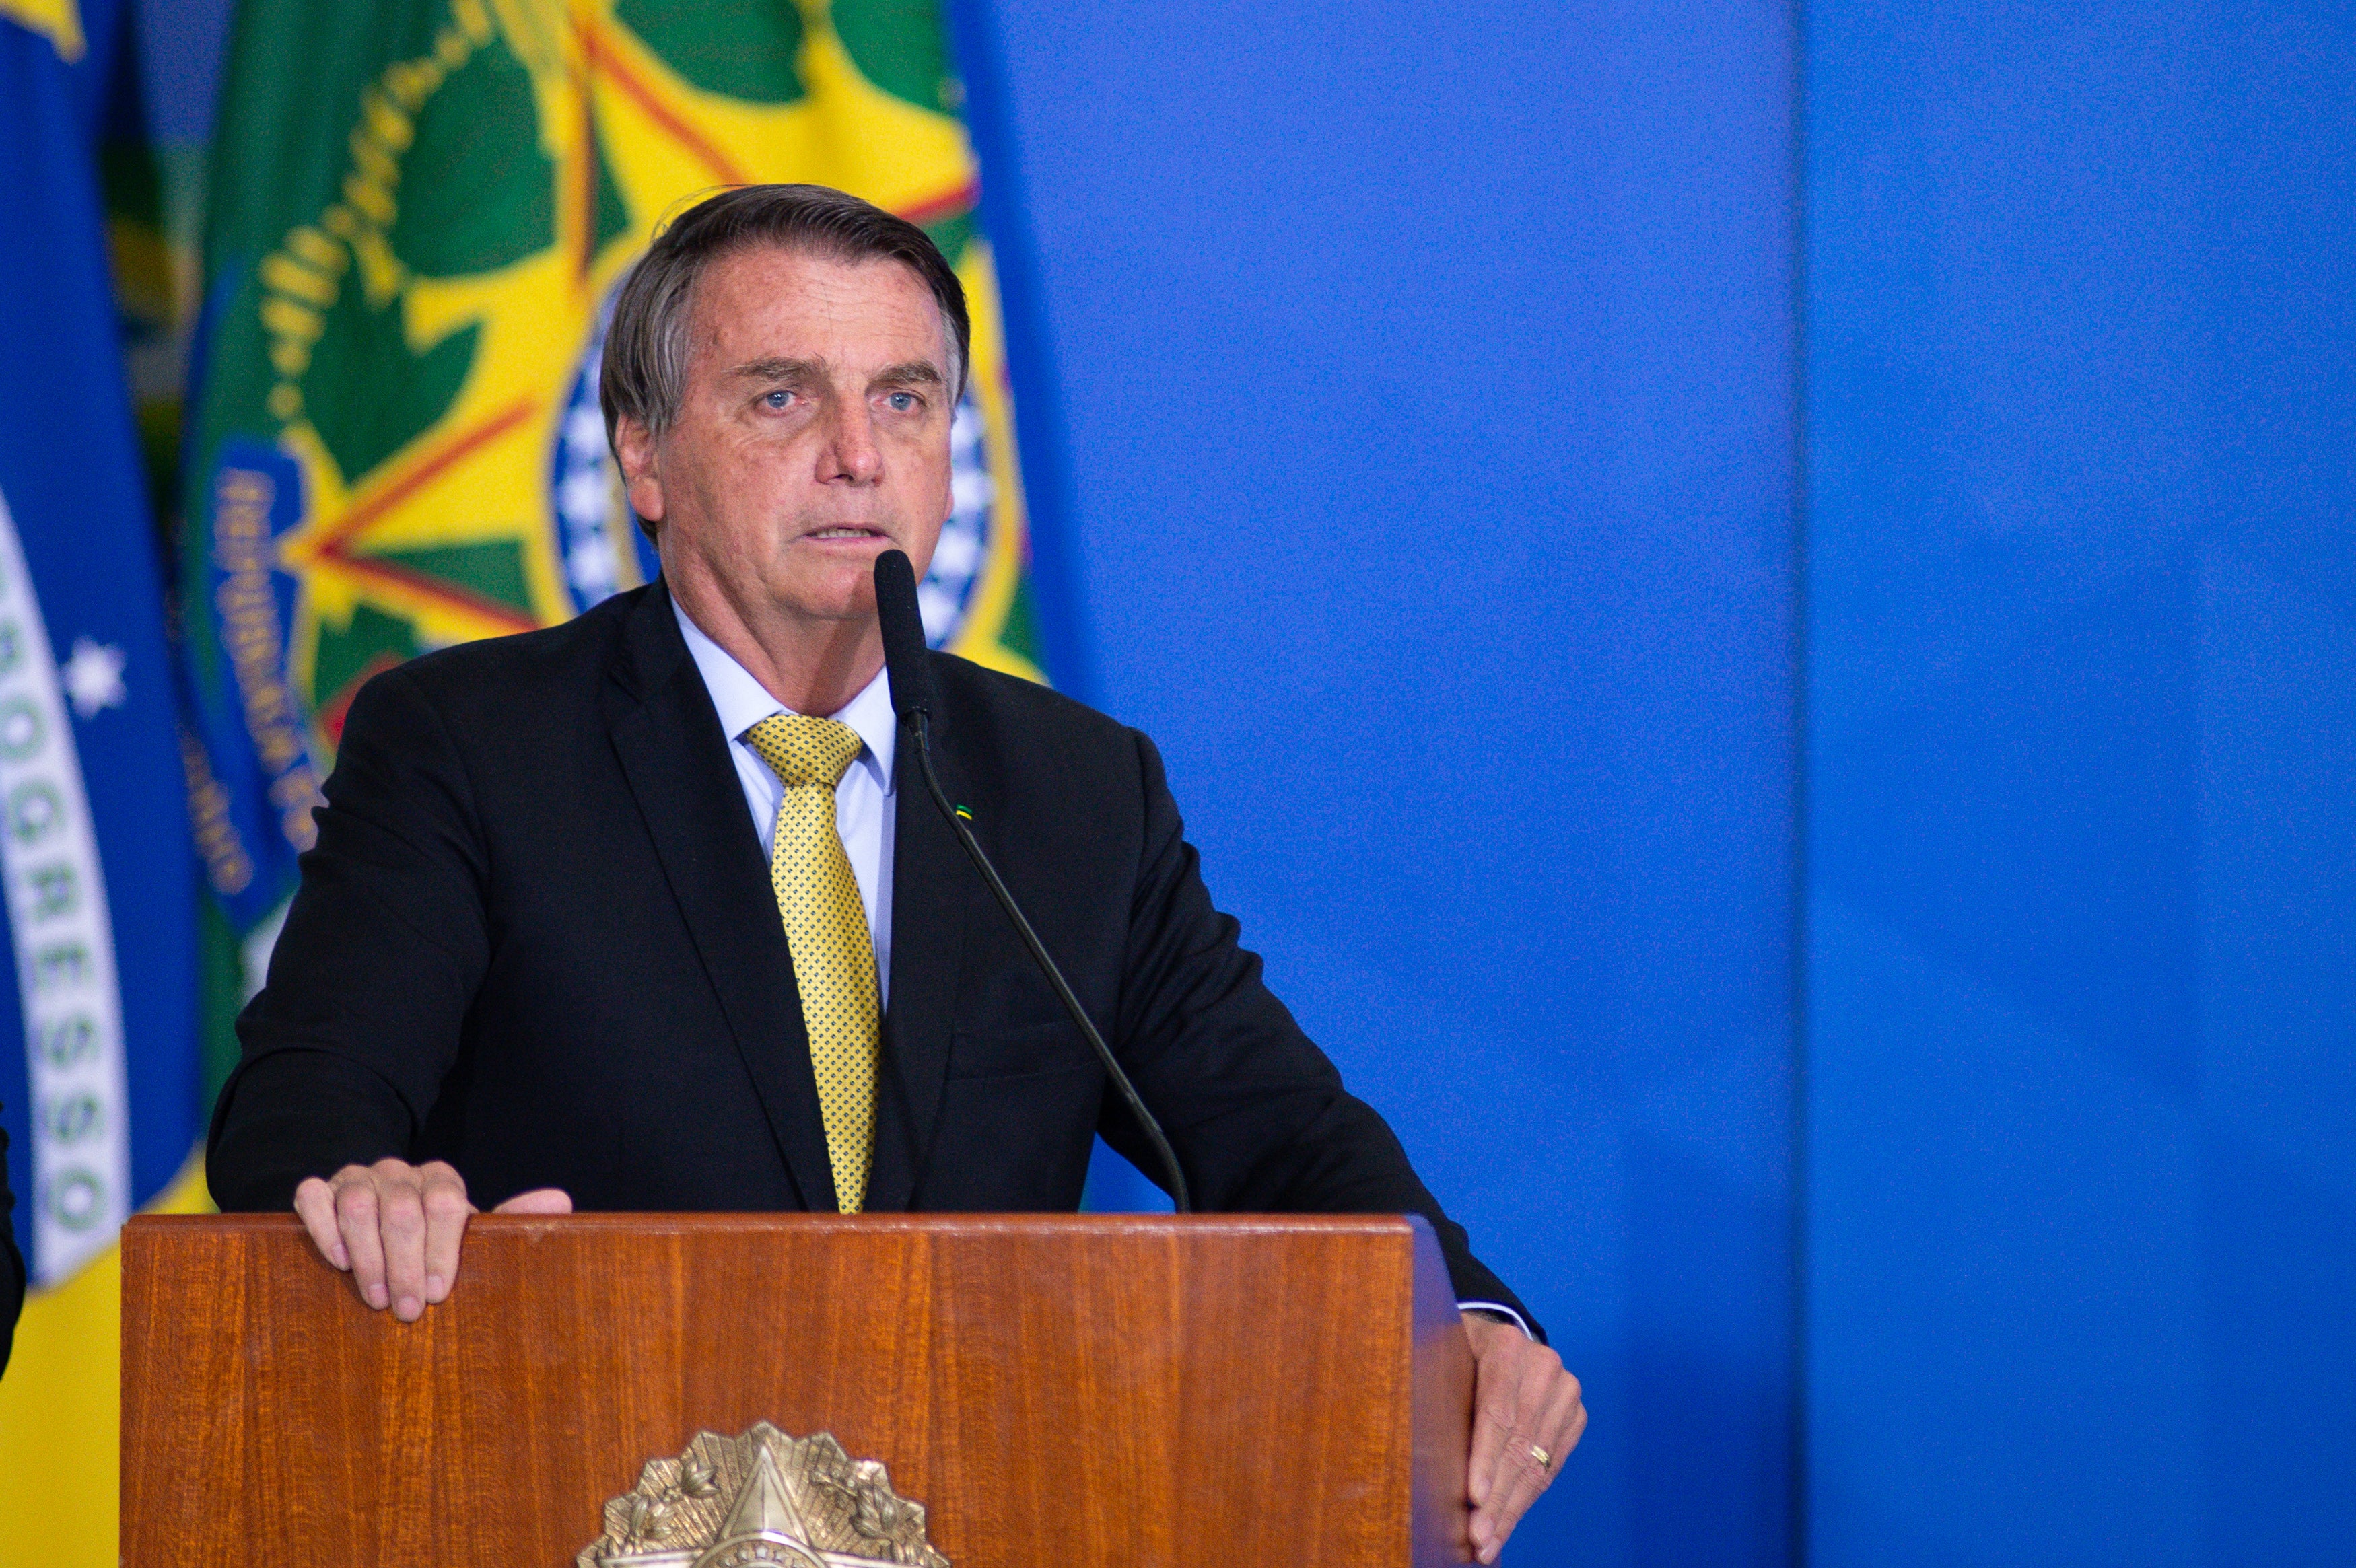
930,886
668,737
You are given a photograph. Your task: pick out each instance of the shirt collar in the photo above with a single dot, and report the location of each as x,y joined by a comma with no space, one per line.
743,702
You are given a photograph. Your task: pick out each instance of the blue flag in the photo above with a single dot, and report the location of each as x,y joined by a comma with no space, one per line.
99,1071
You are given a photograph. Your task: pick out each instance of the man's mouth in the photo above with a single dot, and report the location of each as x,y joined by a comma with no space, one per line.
846,533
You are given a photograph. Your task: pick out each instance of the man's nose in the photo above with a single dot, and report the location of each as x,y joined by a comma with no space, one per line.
852,453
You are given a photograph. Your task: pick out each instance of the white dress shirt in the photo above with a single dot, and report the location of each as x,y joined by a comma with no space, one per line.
864,800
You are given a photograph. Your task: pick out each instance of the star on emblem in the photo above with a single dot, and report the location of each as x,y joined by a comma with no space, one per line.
92,677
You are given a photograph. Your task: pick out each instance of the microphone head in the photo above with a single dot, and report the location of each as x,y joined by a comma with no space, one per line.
903,625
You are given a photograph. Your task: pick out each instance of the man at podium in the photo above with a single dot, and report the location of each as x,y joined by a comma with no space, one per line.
645,911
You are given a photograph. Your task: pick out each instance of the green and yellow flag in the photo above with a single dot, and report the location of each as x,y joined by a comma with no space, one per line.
418,212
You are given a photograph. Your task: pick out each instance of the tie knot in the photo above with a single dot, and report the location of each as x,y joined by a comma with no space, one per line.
802,750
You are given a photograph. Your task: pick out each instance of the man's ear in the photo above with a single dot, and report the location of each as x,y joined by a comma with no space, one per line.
633,446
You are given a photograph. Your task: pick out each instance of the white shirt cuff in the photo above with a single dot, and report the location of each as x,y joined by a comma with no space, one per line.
1502,1310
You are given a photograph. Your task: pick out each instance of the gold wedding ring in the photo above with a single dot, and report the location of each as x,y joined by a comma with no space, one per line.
1544,1458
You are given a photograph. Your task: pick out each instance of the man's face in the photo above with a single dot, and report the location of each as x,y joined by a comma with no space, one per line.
813,435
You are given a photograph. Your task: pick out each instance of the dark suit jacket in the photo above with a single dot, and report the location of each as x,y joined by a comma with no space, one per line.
536,939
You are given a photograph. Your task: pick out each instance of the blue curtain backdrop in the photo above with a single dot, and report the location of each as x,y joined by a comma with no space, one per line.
1418,404
2082,880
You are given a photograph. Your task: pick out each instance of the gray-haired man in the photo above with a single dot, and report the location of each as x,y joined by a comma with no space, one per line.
632,914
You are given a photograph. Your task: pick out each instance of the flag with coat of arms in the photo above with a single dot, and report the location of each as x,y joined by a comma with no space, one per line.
100,1092
419,211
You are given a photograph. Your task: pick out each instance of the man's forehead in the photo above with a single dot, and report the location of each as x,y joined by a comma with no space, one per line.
748,300
771,368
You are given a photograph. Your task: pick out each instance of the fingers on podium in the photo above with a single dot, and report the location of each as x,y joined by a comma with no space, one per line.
1495,1387
396,1227
358,1219
315,1205
1527,1414
442,1192
538,1200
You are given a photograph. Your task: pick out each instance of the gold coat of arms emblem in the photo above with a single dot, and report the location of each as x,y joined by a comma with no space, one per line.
762,1500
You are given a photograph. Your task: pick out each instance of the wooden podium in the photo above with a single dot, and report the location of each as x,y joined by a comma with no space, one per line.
1066,1390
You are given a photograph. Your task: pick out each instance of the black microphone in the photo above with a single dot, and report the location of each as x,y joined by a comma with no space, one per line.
903,625
914,698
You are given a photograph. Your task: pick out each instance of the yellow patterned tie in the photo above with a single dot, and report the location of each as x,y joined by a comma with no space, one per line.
826,927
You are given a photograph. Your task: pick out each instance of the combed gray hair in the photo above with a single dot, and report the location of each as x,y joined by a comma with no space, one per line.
643,372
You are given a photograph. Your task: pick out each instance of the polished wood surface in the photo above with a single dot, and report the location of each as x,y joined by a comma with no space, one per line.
1076,1391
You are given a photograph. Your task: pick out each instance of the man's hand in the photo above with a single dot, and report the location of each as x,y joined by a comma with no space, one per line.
395,1227
1523,1404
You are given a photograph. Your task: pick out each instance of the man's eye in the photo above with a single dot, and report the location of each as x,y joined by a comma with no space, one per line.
902,401
778,400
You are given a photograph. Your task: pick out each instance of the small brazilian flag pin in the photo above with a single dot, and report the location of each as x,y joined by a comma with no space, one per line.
965,813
